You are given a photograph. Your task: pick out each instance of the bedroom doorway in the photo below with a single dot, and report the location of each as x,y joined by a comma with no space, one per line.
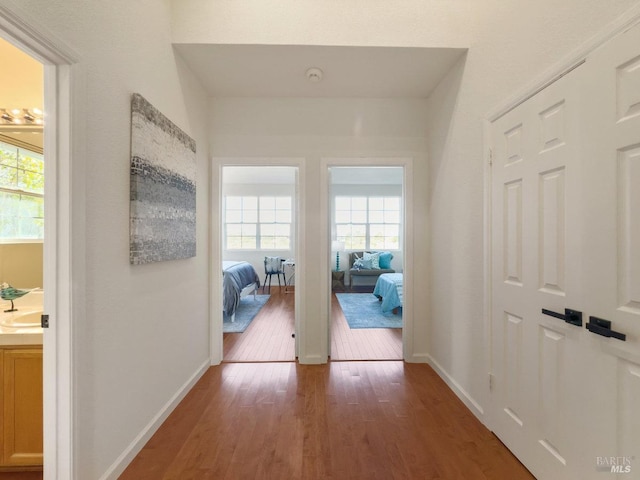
259,212
366,208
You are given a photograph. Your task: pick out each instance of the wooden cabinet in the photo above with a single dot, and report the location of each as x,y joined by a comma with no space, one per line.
21,409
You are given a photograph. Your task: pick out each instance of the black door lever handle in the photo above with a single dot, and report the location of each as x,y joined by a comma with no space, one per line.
600,326
574,317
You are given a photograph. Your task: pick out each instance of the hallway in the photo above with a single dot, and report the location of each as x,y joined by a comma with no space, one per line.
343,420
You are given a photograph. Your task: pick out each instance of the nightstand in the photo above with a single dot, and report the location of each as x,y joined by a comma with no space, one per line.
337,280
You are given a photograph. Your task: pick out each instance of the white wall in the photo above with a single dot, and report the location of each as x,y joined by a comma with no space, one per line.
313,129
145,332
433,23
513,42
510,43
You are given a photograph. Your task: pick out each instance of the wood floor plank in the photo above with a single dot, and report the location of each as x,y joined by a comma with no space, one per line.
36,475
344,420
269,336
363,343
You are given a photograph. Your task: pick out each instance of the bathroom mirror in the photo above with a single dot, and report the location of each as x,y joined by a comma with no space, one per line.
21,238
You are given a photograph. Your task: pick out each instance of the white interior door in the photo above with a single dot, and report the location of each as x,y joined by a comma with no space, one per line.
537,358
564,194
611,177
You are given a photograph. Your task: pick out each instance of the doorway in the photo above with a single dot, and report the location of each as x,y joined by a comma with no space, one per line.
22,188
366,207
259,238
60,188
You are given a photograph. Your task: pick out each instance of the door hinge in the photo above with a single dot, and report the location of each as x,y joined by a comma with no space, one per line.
491,377
44,321
490,157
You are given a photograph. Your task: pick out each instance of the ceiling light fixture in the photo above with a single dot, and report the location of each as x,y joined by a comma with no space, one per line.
314,74
23,117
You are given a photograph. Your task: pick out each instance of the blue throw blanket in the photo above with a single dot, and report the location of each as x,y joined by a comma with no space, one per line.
389,288
236,276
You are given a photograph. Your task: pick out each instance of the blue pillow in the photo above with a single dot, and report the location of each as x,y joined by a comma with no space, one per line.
385,260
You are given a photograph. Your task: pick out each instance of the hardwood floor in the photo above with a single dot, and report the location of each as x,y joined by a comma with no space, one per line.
362,343
268,338
21,475
343,420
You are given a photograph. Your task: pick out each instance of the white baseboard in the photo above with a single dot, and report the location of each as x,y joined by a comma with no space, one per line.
143,437
462,394
418,358
312,360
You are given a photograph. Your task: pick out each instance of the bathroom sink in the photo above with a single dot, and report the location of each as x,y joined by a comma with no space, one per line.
19,319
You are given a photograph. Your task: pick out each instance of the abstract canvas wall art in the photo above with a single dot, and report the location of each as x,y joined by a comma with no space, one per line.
163,187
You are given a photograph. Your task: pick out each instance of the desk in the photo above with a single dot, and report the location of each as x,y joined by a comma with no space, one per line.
289,264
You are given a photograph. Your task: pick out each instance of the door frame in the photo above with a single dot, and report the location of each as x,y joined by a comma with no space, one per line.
568,63
409,353
64,245
217,243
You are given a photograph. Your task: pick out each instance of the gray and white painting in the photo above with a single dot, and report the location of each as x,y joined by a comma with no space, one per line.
163,187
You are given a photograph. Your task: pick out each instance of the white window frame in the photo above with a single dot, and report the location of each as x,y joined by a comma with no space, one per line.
367,224
258,224
15,190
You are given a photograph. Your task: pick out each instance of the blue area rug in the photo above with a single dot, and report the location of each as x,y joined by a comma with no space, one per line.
362,310
246,312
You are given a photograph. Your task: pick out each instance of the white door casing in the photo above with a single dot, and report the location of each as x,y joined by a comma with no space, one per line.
564,236
412,348
216,336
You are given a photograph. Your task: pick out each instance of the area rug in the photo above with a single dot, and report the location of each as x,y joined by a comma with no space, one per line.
362,310
246,312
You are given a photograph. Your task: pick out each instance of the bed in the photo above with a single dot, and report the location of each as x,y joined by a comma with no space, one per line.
388,289
239,279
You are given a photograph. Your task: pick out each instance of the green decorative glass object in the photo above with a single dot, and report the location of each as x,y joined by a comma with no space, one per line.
7,292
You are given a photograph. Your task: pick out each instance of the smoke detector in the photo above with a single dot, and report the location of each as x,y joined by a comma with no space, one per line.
314,74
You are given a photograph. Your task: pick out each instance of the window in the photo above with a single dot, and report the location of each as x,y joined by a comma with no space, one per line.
368,222
262,223
21,194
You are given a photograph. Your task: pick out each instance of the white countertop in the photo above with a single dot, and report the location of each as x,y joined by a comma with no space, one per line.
20,336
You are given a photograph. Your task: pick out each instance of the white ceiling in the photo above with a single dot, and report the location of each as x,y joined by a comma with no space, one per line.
279,70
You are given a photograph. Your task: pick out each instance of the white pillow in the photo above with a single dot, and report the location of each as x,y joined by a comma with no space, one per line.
374,258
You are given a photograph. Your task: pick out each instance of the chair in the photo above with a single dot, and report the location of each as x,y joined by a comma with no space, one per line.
364,273
273,266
